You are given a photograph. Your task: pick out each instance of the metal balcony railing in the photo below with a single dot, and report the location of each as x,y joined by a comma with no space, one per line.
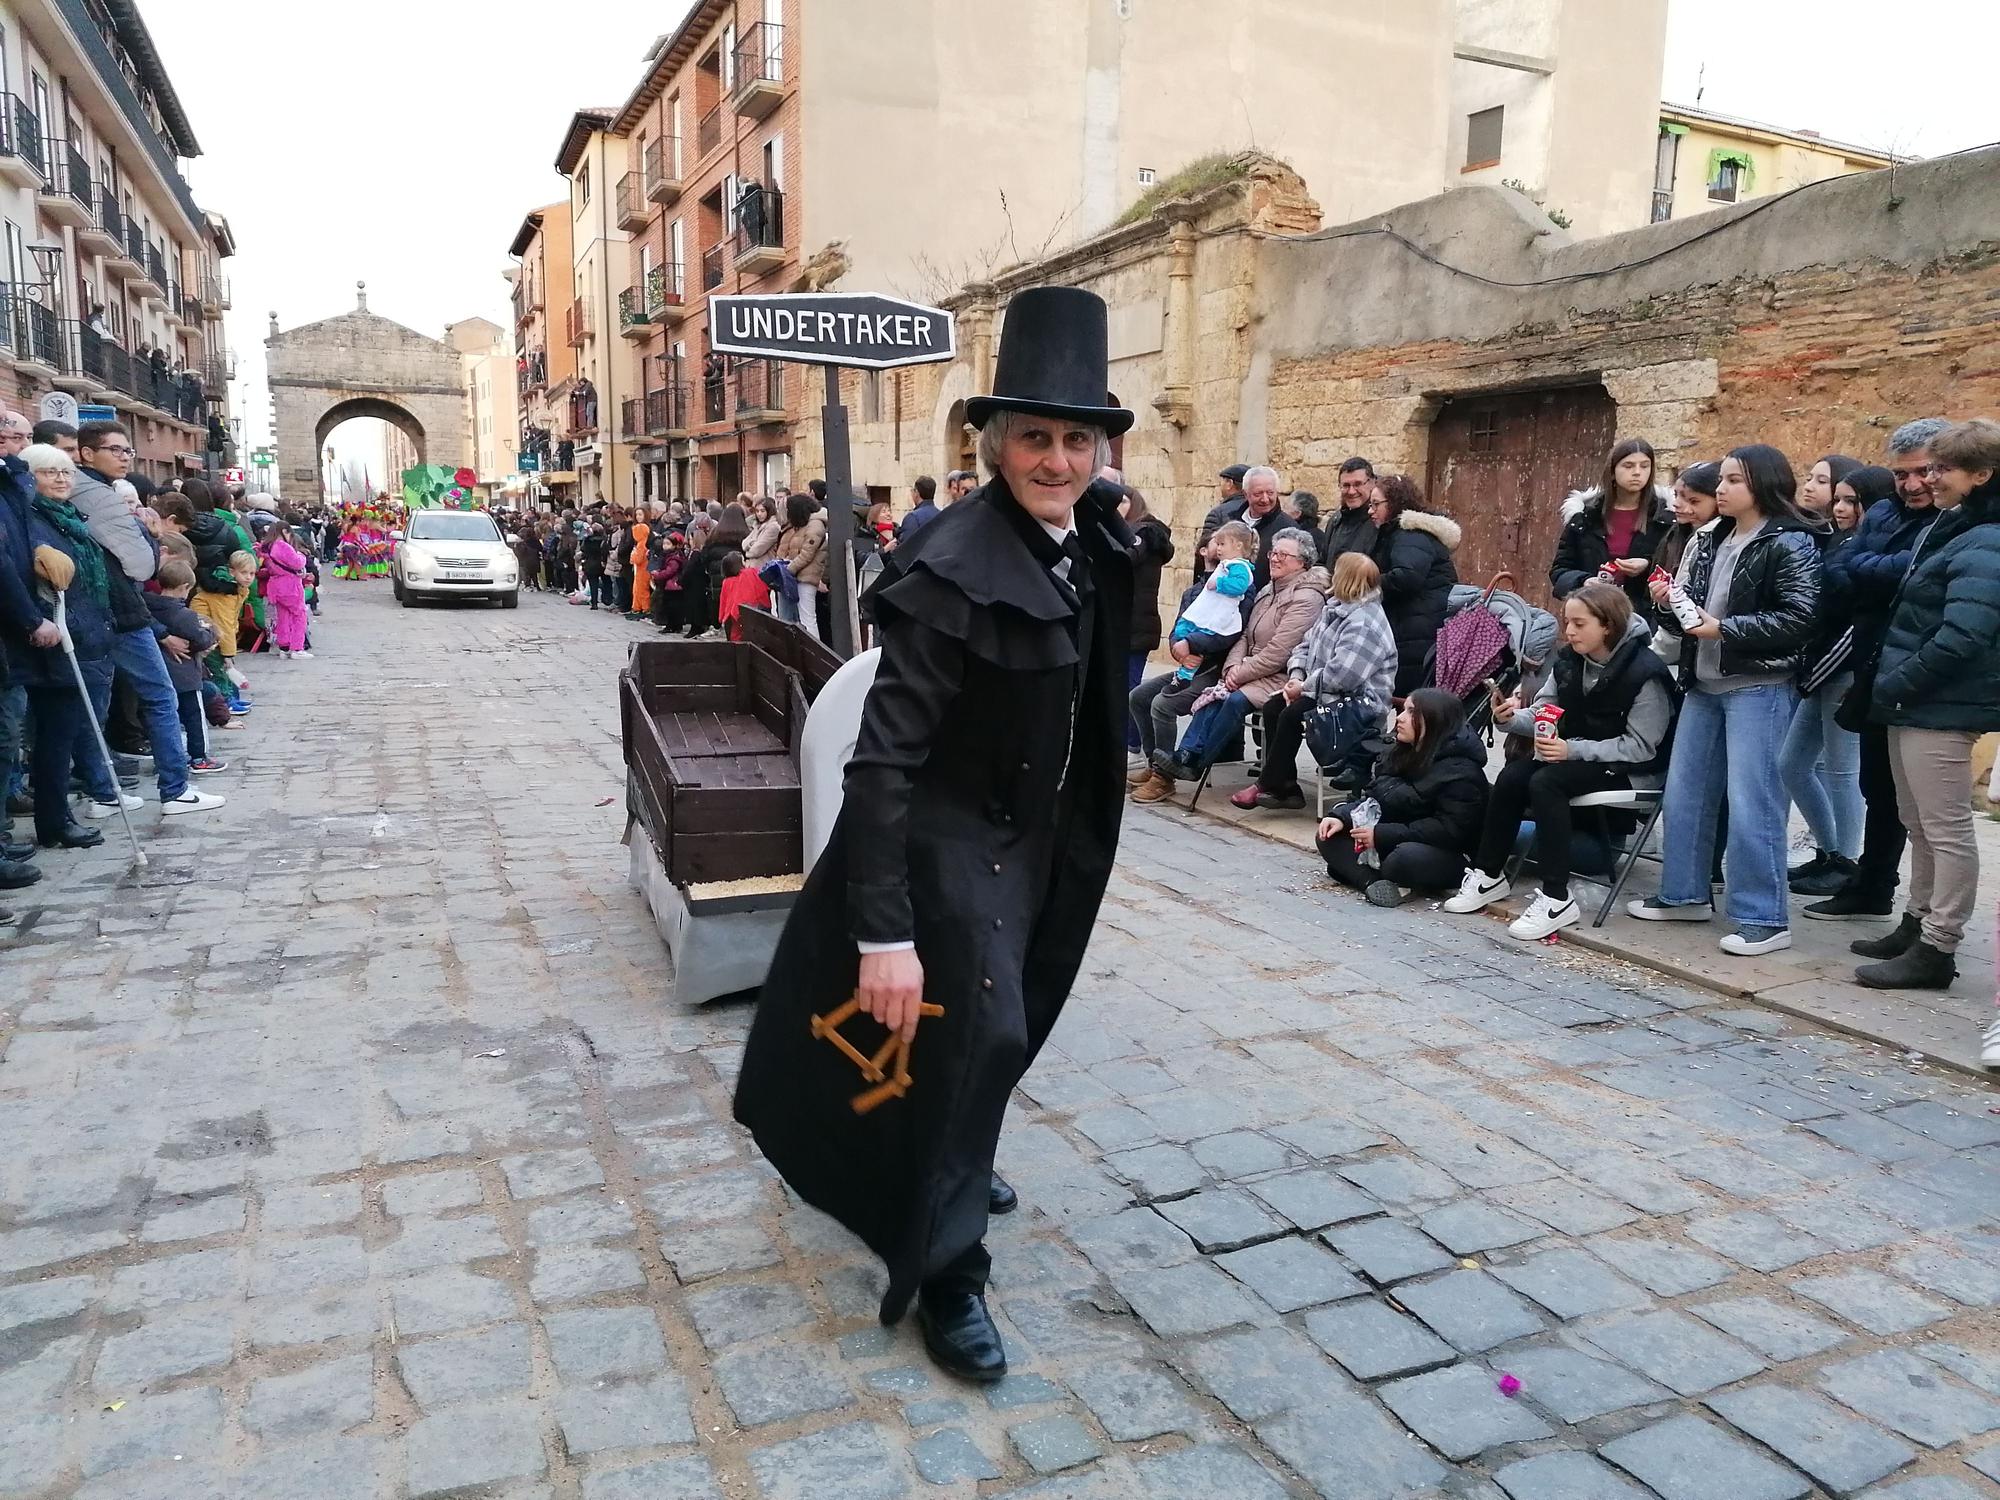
156,267
631,412
631,201
109,219
577,321
708,134
214,294
663,288
667,409
760,55
715,398
760,219
631,308
34,332
760,387
662,167
135,243
20,131
713,260
66,174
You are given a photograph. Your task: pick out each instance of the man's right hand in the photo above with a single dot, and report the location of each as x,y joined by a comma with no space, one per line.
45,635
175,647
891,988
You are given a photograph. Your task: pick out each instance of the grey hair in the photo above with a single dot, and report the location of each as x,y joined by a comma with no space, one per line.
1298,536
40,458
1912,436
1261,471
1001,423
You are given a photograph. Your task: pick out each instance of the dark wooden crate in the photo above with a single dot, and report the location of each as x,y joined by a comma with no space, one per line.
710,733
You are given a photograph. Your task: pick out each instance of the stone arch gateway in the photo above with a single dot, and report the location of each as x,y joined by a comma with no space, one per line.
361,364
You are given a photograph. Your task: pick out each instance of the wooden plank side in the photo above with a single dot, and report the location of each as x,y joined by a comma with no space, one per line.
767,809
697,663
694,736
714,698
696,857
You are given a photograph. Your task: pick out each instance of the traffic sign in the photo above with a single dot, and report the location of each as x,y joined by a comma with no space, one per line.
59,406
96,414
833,328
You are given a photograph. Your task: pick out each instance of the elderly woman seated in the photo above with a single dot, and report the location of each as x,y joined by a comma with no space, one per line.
1255,670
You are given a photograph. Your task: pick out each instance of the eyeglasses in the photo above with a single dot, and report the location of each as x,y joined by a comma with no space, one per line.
112,448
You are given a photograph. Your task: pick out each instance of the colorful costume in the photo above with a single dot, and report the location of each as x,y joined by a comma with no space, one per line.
285,593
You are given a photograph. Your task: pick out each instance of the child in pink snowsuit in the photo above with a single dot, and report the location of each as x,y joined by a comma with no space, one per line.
285,593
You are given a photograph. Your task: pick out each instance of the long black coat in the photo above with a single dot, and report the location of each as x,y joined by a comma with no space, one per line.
1152,550
1414,553
981,819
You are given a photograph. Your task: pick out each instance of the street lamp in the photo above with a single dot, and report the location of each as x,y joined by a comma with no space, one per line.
48,256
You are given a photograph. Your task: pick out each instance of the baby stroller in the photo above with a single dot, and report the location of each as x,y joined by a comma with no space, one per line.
1490,635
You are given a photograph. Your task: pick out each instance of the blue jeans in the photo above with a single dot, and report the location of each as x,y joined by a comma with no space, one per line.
86,759
137,654
1212,728
1729,740
1821,766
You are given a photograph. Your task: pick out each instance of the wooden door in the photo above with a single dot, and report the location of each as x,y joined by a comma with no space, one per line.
1501,465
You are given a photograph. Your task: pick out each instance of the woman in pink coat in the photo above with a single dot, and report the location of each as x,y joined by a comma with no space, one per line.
285,593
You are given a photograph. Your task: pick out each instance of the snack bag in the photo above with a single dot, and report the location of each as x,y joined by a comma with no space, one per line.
1366,814
1611,573
1685,609
1547,717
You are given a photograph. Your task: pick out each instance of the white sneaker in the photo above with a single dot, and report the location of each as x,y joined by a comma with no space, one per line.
1989,1046
1545,915
1478,889
1750,947
302,656
101,810
193,800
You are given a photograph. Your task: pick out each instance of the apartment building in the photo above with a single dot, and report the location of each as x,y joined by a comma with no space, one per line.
486,352
1705,160
593,158
544,359
113,288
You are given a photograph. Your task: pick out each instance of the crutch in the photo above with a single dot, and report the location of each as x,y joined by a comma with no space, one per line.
96,729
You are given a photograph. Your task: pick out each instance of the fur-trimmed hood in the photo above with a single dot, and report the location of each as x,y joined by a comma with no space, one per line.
1593,498
1444,528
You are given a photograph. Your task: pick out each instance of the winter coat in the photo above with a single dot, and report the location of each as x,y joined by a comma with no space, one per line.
1267,529
1870,568
1279,620
803,548
285,578
980,818
18,610
1768,626
1585,545
1940,661
1350,652
214,540
118,531
91,627
591,553
669,571
1414,554
1152,550
175,618
763,538
1350,530
1444,806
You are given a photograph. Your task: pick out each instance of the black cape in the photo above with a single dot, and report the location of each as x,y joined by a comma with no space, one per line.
980,818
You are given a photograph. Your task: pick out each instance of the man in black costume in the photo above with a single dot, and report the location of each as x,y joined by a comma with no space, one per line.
977,831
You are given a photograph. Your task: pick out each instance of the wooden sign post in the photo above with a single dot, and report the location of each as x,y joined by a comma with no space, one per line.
837,330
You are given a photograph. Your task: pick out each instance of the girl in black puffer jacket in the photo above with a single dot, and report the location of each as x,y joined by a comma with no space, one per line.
1413,549
1620,523
1431,788
1755,583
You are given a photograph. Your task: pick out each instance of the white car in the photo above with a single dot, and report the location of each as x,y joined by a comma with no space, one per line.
454,554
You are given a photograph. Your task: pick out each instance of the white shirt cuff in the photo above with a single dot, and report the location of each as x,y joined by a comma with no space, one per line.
903,947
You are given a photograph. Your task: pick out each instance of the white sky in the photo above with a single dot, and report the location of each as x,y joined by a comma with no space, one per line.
401,141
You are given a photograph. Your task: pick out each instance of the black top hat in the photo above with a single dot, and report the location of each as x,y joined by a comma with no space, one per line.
1053,361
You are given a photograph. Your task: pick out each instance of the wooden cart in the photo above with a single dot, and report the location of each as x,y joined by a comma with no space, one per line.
711,733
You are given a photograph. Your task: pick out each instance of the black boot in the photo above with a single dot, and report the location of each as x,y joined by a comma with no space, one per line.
960,1334
1892,944
1922,968
1000,1198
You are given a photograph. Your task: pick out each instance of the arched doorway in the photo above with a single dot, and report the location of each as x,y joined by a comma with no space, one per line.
961,443
364,443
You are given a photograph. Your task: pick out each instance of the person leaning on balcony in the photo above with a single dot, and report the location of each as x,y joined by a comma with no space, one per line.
802,548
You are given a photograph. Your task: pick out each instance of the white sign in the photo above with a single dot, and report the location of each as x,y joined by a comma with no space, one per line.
59,406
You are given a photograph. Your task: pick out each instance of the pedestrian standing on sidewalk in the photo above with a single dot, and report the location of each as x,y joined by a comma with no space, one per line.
974,842
1152,550
1937,689
1351,530
1616,699
1693,508
1757,585
1618,524
1869,570
170,609
285,592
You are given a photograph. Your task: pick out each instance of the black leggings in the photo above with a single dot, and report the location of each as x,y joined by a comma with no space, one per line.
1422,867
1542,789
1284,733
1882,833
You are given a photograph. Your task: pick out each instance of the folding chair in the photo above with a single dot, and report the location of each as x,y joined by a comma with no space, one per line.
1642,800
1253,726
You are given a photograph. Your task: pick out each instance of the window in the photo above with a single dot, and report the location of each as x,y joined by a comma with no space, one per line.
729,57
1147,177
871,395
676,256
1484,434
774,162
1482,138
674,130
583,183
1666,163
1725,179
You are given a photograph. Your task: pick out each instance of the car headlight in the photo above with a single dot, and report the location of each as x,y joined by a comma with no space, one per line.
417,562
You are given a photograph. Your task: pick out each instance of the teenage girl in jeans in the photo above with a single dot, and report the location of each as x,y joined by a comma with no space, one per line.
1757,584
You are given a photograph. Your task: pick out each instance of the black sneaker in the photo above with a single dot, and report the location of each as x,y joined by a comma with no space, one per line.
1851,904
1829,879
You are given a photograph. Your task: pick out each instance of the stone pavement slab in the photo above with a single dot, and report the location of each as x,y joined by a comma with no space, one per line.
405,1179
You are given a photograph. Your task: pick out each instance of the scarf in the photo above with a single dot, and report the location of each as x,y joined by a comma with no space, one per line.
83,548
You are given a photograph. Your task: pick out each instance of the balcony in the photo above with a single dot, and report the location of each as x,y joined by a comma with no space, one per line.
760,392
663,170
760,230
713,262
532,371
154,287
631,204
632,320
631,415
214,296
176,311
668,413
577,325
218,370
33,333
136,250
708,134
715,398
65,196
105,233
665,303
760,70
20,143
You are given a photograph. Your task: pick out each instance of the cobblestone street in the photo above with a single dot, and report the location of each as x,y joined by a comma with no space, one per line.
352,1152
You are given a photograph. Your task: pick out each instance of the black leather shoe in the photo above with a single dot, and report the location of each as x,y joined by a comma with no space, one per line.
17,851
14,874
75,836
959,1333
1000,1198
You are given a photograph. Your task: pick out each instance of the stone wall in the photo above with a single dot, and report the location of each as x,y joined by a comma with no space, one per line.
362,365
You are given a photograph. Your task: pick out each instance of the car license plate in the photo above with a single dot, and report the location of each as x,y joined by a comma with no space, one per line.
466,575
